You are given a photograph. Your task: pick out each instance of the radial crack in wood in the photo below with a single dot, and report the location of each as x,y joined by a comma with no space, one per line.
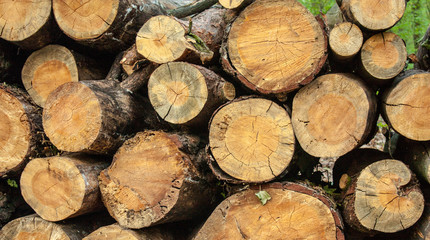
345,41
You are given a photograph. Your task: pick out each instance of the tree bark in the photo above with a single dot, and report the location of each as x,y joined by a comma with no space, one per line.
383,197
156,177
333,115
251,139
421,231
115,231
53,65
187,94
406,106
165,39
373,16
62,187
416,155
95,116
423,53
21,134
295,211
34,227
279,54
382,57
28,24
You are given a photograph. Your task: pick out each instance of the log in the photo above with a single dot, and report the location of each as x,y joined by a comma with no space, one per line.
382,57
21,132
34,227
423,52
187,94
279,54
235,4
295,211
251,139
373,16
406,106
28,24
333,115
95,115
115,231
383,197
345,41
53,65
416,154
421,231
105,25
62,187
154,178
165,39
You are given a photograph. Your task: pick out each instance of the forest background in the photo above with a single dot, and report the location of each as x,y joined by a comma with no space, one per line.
411,28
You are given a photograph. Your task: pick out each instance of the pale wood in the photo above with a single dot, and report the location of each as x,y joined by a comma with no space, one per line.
383,197
406,105
28,24
115,231
154,179
373,15
345,41
183,93
252,139
62,187
293,212
382,57
275,46
52,66
21,132
333,115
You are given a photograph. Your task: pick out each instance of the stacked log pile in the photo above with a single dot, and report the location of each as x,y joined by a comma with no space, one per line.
211,113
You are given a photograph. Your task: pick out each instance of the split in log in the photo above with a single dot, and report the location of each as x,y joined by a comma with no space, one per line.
34,227
333,115
345,41
165,39
154,179
406,105
94,116
62,187
28,24
383,197
373,15
53,65
294,211
21,132
251,139
107,25
382,57
115,231
275,46
183,93
416,155
423,52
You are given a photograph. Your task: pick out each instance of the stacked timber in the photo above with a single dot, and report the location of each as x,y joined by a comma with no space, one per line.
213,114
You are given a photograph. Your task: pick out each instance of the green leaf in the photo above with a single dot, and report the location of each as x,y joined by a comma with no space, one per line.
263,196
12,183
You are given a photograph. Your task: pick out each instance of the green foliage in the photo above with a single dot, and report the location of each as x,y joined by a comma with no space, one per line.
12,183
263,196
318,6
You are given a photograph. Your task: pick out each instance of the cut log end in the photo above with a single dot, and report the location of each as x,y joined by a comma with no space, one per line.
383,56
46,69
115,231
85,20
276,46
230,4
161,39
72,117
374,15
58,188
15,132
289,214
406,107
345,40
252,140
384,199
21,19
333,115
